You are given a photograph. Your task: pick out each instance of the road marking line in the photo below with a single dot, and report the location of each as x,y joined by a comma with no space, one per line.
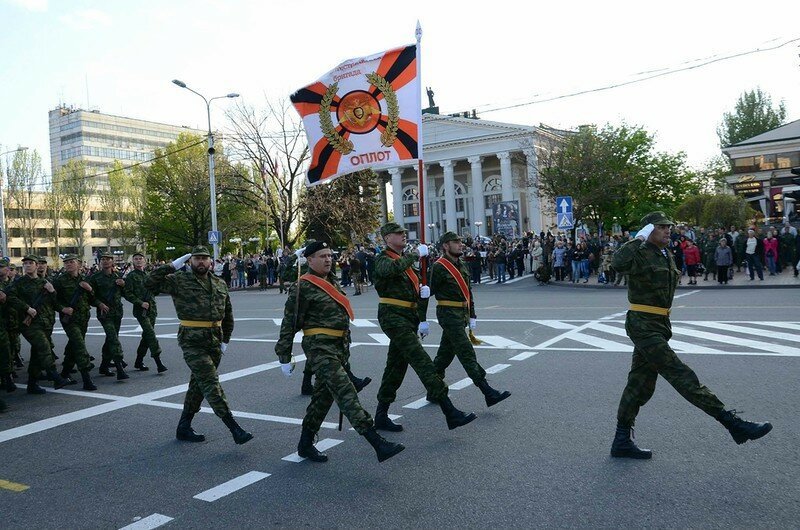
13,486
322,445
233,485
738,341
524,355
381,338
497,368
766,333
677,344
149,522
363,323
418,404
686,294
782,325
63,419
502,342
458,385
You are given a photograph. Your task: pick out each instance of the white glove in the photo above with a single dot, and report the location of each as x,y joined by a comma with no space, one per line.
299,252
287,369
223,346
473,323
424,329
178,263
424,291
646,230
423,250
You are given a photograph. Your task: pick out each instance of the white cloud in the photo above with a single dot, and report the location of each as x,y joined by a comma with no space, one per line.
31,5
86,19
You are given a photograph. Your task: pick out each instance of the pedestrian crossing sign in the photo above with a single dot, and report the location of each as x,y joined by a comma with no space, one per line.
565,220
213,237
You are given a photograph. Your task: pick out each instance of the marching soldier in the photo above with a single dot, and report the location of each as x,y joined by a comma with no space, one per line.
107,285
402,309
43,271
73,299
13,322
6,360
653,279
455,311
145,311
29,295
204,308
317,305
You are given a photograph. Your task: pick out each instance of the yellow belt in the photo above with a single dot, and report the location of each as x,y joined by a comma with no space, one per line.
201,323
325,331
655,310
451,303
395,301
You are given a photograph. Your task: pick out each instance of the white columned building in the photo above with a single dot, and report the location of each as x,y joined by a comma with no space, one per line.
472,165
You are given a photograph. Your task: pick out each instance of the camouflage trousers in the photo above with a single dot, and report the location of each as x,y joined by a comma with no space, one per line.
202,354
41,352
147,321
455,342
75,352
6,355
16,343
328,357
112,348
405,349
652,357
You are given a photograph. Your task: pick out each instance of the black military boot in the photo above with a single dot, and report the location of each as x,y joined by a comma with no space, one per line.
33,386
105,368
65,375
58,381
159,364
307,388
742,430
382,420
8,383
306,447
240,436
493,397
384,449
87,381
625,447
120,370
184,432
358,382
455,418
139,364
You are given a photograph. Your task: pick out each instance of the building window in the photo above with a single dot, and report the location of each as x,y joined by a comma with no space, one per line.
15,252
99,232
492,192
410,202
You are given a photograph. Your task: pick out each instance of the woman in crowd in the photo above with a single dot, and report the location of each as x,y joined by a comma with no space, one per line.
723,257
691,257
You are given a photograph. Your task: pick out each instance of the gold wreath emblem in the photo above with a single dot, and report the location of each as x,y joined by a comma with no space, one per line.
389,135
336,140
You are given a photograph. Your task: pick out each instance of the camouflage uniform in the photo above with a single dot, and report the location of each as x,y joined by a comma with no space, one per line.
327,355
198,301
400,325
6,355
653,278
28,292
137,293
107,291
13,324
69,293
709,253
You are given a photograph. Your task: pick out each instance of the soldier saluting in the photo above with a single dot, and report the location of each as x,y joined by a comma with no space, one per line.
652,279
204,308
145,311
317,305
402,309
455,310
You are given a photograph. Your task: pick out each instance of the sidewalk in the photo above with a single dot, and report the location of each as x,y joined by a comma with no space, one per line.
741,280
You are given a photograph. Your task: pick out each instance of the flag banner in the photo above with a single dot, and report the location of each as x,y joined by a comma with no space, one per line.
365,113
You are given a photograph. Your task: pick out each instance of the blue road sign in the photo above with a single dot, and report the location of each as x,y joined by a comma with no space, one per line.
564,204
565,220
213,237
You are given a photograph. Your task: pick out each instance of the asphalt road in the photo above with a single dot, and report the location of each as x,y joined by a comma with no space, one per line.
109,459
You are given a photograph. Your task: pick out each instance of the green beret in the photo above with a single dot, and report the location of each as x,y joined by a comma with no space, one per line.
30,257
107,255
391,228
5,262
448,236
316,246
200,251
70,257
656,218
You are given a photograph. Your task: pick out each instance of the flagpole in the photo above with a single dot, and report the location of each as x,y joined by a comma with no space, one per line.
421,164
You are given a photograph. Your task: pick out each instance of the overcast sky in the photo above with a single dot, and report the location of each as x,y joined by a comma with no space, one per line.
120,56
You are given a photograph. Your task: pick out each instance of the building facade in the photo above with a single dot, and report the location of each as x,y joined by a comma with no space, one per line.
98,139
762,171
472,168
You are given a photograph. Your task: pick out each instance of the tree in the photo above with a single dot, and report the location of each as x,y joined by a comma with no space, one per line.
273,144
77,187
722,211
116,200
752,115
24,178
344,211
55,203
692,210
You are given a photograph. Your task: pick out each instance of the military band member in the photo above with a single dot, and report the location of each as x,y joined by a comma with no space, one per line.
653,278
204,309
108,287
317,305
73,299
455,311
29,295
145,311
402,309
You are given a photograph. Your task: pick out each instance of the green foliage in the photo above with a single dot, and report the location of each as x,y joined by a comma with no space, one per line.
722,211
692,210
752,115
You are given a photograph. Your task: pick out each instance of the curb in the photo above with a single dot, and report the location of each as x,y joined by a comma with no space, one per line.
680,287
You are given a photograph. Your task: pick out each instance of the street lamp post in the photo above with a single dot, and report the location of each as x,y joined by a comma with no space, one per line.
3,231
211,180
478,225
432,226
